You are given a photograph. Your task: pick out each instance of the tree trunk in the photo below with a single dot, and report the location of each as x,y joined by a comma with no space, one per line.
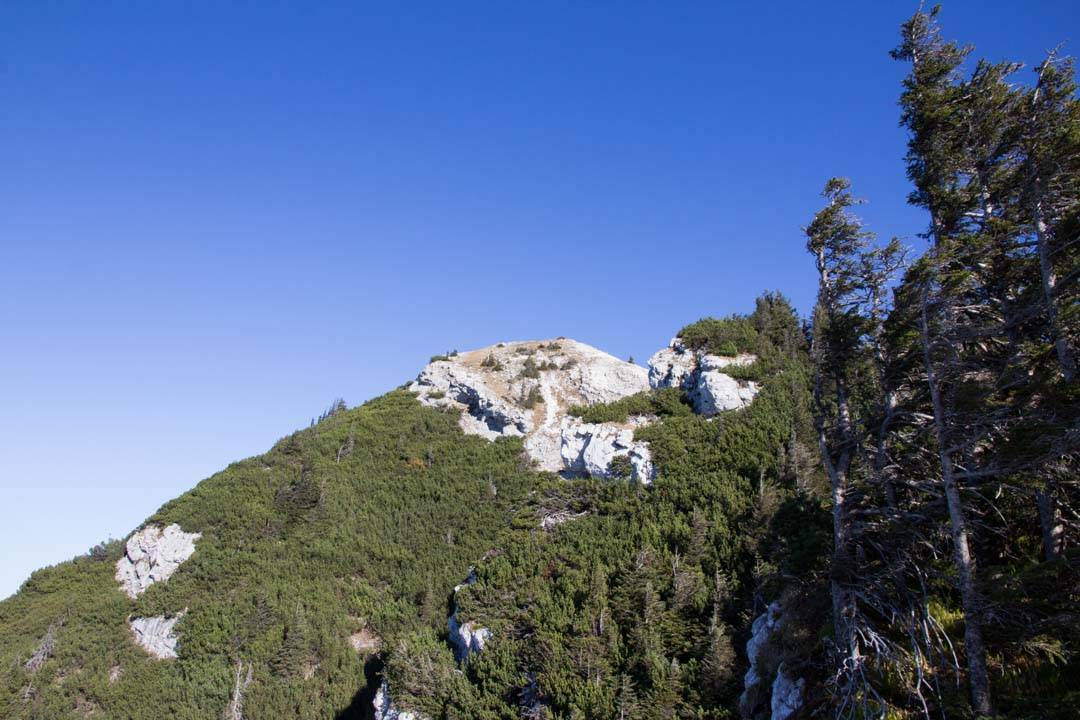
1049,286
1053,530
978,678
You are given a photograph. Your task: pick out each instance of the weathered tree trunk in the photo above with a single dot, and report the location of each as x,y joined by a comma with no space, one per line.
1049,286
1053,529
978,678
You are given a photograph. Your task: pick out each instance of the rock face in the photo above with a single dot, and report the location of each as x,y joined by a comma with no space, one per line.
763,625
466,638
589,449
155,635
786,695
786,691
386,710
524,389
701,375
153,554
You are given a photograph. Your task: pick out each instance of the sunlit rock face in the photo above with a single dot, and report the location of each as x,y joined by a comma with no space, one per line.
524,389
156,635
703,378
152,555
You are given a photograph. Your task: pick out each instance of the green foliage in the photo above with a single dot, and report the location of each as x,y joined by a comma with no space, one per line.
491,362
726,336
298,551
618,609
530,369
662,402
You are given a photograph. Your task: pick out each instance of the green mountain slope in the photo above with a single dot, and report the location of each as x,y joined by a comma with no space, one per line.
338,552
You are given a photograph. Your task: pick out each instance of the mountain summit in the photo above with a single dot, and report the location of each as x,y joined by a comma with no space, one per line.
429,553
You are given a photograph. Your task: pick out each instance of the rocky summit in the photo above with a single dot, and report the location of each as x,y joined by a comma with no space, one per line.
527,389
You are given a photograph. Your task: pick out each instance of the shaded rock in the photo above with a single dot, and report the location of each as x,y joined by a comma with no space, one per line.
152,555
385,709
784,691
786,694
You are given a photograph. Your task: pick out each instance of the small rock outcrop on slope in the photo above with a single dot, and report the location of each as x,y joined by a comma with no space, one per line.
466,637
785,692
152,555
524,389
386,710
155,635
710,389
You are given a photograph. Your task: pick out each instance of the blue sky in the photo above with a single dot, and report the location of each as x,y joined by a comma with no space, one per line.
214,220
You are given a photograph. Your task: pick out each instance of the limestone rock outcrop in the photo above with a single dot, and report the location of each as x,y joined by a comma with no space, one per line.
702,376
467,638
385,709
787,695
152,555
156,635
524,389
785,691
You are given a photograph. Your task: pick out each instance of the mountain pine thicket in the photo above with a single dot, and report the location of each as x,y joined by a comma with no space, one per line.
903,490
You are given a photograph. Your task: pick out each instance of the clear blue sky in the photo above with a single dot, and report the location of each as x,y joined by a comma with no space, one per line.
214,220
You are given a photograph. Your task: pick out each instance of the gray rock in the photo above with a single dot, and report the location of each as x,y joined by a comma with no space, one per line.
492,387
152,555
156,635
715,392
467,638
786,694
710,389
589,449
385,709
672,366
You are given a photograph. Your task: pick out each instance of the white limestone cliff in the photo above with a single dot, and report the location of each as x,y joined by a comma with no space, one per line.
524,389
156,635
710,389
152,555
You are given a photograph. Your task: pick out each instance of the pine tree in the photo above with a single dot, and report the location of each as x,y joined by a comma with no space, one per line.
1051,193
939,164
836,240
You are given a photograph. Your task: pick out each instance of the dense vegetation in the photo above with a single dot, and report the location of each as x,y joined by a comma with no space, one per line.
362,522
361,525
947,407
